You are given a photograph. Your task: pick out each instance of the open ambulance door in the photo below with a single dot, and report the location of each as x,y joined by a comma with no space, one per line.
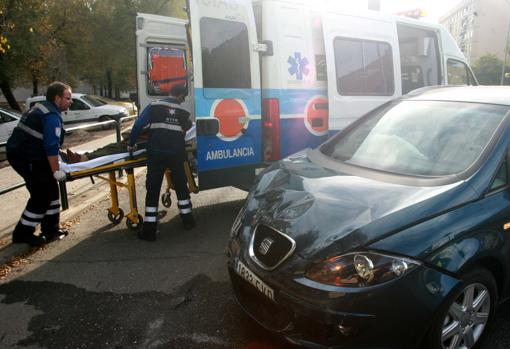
161,58
362,64
226,82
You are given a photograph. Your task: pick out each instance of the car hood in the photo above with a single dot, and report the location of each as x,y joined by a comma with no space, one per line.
112,108
329,211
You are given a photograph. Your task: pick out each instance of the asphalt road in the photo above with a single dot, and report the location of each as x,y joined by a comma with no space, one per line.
101,287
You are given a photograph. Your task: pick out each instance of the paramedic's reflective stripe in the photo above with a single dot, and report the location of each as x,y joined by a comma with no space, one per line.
184,206
42,108
29,130
31,219
151,214
170,105
166,126
54,208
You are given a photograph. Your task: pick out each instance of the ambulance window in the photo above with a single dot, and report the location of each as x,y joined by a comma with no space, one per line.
166,67
225,54
363,68
458,73
419,57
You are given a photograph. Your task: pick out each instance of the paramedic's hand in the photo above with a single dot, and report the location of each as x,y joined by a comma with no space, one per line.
59,175
131,149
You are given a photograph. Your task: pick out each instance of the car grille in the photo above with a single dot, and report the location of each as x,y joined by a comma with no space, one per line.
269,247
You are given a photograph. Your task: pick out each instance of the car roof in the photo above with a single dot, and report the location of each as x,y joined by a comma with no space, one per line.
38,98
474,94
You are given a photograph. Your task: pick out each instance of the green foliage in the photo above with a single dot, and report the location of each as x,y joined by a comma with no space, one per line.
91,41
488,69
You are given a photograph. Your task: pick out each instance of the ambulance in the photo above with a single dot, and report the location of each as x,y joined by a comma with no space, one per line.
268,78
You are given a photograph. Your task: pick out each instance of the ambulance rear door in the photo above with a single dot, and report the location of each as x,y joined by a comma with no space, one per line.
226,81
362,65
161,58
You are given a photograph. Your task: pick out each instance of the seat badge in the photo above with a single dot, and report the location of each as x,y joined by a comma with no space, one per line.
265,245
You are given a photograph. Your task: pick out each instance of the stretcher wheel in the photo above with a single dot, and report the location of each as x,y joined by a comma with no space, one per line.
166,199
135,226
116,219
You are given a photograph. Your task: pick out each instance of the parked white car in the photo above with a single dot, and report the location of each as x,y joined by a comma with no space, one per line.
85,109
8,120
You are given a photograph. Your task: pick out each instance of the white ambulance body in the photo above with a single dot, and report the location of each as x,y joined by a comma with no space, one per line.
270,77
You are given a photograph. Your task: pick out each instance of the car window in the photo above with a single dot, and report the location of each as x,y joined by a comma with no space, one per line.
93,101
501,179
422,138
4,117
78,105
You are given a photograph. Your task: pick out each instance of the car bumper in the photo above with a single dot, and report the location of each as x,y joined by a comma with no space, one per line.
393,315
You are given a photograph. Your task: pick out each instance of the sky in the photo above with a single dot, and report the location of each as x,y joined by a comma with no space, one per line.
434,8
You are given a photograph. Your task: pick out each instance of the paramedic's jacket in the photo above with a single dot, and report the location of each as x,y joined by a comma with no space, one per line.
39,133
167,122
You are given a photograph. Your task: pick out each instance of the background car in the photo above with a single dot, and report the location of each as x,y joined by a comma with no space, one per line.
8,120
392,234
130,106
85,109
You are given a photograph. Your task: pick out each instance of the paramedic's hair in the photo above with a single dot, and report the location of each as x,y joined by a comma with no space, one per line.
55,89
178,90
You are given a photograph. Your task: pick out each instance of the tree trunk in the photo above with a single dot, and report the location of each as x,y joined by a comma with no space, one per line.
109,82
6,90
35,85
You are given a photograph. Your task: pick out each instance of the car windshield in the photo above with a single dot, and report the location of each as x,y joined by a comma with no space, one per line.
420,138
93,101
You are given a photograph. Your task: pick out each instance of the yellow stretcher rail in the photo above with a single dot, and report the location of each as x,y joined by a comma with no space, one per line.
115,214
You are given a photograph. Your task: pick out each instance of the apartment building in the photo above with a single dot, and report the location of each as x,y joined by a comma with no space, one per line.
479,27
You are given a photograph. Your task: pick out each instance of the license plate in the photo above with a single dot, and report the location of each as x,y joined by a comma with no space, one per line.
253,279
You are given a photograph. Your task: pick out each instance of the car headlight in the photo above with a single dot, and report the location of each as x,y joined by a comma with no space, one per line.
360,269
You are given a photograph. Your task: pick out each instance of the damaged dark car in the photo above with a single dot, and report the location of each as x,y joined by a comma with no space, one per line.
395,233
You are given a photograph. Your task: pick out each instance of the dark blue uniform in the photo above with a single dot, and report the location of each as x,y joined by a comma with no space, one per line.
39,134
167,122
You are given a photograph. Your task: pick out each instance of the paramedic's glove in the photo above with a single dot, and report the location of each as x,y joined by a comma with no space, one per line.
131,149
59,175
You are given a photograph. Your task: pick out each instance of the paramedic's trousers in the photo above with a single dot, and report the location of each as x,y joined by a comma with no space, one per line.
43,207
156,166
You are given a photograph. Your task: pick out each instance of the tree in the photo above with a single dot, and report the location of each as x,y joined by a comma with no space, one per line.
488,69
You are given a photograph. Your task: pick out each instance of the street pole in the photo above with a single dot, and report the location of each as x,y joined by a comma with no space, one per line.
506,50
506,53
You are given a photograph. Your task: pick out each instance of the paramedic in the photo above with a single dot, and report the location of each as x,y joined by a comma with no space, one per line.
32,151
168,122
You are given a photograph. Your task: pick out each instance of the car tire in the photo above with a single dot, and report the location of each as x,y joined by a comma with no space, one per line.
105,118
463,319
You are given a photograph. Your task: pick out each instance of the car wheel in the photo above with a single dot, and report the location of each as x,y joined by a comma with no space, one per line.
105,118
463,320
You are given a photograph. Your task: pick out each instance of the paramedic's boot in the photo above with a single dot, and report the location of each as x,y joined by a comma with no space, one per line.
148,232
55,235
31,239
188,221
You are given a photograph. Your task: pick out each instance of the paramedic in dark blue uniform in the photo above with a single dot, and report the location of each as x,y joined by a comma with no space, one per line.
32,151
167,122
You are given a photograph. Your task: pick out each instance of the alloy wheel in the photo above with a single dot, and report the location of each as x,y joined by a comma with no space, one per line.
467,317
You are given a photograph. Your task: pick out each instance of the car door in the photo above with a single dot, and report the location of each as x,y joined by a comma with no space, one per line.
161,57
79,111
226,82
362,65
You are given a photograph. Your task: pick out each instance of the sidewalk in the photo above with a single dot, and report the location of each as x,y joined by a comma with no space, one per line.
81,195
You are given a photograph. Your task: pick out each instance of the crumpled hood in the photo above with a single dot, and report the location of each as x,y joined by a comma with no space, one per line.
320,208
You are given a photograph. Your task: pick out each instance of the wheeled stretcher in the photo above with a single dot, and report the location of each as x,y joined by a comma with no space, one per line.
121,162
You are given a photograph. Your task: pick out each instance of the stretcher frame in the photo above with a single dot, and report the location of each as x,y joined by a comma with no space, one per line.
115,214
